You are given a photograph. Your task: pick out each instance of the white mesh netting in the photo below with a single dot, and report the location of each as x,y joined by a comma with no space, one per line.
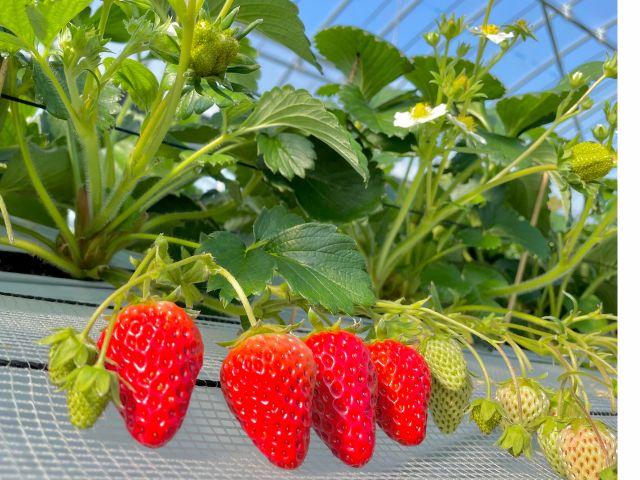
37,441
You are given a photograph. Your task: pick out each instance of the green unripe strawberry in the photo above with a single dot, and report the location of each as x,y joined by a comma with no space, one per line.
448,406
89,390
213,49
486,414
535,403
591,161
446,361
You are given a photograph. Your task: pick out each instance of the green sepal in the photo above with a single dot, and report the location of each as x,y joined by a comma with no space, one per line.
57,337
403,328
516,440
261,328
229,18
609,473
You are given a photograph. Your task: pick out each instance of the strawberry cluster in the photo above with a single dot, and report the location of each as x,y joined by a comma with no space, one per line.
279,386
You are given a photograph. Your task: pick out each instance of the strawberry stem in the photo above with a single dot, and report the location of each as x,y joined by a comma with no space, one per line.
240,293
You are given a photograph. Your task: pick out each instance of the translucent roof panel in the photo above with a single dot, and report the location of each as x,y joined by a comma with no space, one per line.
568,34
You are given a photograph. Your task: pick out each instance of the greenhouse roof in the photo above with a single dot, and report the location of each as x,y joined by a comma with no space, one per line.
568,34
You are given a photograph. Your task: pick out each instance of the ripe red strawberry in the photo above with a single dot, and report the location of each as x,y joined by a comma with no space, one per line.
404,387
268,381
344,401
157,351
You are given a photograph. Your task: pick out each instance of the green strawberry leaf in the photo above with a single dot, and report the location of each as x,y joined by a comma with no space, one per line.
505,222
253,268
297,109
137,80
13,17
273,221
361,110
288,154
322,265
334,192
280,22
524,112
51,16
368,61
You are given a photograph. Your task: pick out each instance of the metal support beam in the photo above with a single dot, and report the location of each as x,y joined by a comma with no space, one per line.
579,24
556,52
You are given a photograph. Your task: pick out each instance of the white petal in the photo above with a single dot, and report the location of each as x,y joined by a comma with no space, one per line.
500,37
477,138
437,111
403,120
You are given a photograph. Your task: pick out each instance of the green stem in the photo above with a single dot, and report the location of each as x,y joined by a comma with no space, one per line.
425,159
74,158
482,366
425,227
47,255
548,324
563,267
159,220
522,263
152,238
240,293
7,220
40,189
155,129
140,203
574,234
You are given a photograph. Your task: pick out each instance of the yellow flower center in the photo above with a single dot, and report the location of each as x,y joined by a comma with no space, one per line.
490,29
522,23
461,83
420,110
468,122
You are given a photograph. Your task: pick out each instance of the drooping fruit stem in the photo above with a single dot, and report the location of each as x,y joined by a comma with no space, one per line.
240,293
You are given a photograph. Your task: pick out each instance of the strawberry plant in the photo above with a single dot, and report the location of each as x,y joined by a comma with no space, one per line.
138,127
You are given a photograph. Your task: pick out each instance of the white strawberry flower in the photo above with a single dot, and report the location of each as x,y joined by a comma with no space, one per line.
492,33
419,113
467,124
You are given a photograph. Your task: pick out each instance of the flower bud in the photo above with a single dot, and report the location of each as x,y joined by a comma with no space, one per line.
611,113
432,38
587,103
610,67
576,80
600,132
450,27
463,49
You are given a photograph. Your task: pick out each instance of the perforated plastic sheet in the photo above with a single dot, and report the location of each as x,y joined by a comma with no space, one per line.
37,441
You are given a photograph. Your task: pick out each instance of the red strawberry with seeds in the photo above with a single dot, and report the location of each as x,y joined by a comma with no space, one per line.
345,395
268,381
157,352
404,387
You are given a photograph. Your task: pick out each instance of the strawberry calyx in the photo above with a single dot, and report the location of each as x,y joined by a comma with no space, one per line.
516,440
322,324
69,350
486,413
405,329
261,328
